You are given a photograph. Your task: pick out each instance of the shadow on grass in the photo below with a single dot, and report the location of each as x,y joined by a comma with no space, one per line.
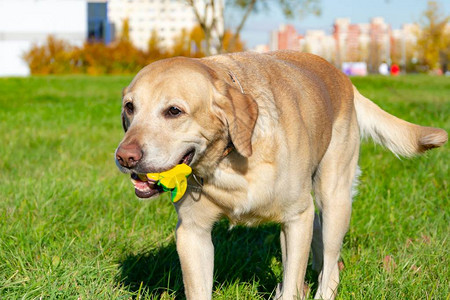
243,255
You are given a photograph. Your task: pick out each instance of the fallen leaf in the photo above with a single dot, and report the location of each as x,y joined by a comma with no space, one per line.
409,242
341,265
415,269
426,239
306,290
389,264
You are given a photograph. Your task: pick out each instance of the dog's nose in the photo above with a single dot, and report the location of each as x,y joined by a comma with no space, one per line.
128,155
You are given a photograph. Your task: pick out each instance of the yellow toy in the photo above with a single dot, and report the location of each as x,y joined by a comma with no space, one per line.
173,180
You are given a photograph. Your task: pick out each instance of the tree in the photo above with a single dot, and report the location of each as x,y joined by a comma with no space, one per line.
125,33
434,37
197,38
231,43
197,43
210,14
53,57
154,50
445,51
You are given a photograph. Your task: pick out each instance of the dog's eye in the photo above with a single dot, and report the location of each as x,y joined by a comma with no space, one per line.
129,107
173,111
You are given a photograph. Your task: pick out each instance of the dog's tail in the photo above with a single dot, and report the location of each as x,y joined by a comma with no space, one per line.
401,137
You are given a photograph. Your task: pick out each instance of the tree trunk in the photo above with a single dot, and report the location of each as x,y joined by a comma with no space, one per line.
241,25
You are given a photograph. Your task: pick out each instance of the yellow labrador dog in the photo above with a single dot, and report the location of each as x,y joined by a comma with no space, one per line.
260,131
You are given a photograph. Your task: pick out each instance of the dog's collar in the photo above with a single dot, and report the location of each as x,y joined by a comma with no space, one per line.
198,180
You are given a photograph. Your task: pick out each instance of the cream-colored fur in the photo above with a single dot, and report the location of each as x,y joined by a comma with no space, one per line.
294,121
399,136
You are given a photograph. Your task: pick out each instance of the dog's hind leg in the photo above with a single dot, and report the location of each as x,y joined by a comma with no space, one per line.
333,191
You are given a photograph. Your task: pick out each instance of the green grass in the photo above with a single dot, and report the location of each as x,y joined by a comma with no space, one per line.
71,227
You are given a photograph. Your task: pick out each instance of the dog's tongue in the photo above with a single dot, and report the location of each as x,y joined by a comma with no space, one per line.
144,189
142,185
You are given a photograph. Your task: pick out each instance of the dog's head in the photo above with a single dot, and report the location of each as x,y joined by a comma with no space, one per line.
181,111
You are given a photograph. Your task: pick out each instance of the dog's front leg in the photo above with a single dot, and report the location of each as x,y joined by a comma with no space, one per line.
195,247
196,253
296,238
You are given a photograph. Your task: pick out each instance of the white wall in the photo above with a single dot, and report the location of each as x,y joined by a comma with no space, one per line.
168,18
27,22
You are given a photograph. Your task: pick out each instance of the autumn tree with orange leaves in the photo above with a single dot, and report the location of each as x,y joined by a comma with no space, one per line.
433,41
59,57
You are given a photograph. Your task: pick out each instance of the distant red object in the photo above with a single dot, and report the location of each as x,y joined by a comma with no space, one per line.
395,70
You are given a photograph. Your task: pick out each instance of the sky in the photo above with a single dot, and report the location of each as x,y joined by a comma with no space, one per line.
394,12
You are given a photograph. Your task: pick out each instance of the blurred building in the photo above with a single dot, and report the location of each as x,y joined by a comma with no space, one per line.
372,43
165,17
27,22
404,41
286,37
314,41
319,43
369,42
99,28
352,40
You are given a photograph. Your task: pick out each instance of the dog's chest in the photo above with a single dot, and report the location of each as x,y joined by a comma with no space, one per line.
249,199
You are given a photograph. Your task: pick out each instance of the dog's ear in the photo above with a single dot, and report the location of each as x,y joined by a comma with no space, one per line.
240,111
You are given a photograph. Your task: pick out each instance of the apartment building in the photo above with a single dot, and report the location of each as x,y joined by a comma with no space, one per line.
167,17
320,43
362,41
349,42
404,41
286,37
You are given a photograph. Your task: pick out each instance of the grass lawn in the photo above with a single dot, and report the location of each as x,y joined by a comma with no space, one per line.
71,227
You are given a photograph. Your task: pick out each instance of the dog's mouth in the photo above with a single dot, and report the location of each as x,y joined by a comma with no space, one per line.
146,188
188,157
